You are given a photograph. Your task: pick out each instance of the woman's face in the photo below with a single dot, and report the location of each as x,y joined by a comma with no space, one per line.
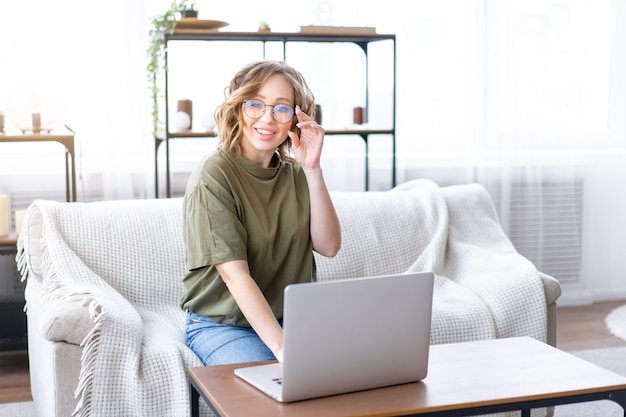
263,135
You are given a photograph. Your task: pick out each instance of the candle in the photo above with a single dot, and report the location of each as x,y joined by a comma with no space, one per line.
357,115
36,122
4,215
19,220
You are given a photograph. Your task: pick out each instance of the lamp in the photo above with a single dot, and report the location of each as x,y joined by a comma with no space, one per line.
34,107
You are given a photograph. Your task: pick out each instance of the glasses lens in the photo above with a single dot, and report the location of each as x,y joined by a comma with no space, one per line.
283,113
254,108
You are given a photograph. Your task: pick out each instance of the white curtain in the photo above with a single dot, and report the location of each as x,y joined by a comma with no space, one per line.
547,102
523,96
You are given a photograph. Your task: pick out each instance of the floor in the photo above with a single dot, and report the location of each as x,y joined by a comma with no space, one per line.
14,380
583,327
578,328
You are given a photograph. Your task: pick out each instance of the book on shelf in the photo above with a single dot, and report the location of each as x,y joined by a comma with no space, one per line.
365,30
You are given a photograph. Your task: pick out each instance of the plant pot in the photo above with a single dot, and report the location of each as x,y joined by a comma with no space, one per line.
193,14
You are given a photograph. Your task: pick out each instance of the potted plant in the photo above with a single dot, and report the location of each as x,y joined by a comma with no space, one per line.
264,27
163,24
188,9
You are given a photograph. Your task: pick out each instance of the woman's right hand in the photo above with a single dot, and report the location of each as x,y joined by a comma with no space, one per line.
279,354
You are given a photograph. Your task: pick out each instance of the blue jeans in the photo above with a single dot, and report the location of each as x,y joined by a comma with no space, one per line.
220,344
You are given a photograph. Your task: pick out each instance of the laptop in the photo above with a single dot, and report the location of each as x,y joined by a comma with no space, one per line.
349,335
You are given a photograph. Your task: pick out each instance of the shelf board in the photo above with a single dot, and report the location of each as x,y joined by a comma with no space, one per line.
191,135
322,36
359,131
11,239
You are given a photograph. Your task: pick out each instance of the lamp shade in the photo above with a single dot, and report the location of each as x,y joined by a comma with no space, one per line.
35,107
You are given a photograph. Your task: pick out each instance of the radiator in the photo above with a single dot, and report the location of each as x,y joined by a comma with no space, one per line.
545,223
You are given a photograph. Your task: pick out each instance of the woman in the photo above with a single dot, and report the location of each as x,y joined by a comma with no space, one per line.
254,212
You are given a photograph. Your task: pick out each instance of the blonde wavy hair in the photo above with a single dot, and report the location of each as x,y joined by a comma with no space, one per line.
245,85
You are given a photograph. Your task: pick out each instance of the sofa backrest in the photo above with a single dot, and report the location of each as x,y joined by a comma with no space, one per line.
386,232
136,246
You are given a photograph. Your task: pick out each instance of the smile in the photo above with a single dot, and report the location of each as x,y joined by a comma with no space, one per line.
265,132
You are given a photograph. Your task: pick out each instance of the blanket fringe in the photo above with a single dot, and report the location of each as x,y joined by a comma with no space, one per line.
90,346
22,265
22,261
54,288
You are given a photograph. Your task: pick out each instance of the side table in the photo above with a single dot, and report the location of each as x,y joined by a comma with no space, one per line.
67,140
13,333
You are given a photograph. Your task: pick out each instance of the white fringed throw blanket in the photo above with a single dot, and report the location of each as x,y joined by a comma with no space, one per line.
484,288
125,261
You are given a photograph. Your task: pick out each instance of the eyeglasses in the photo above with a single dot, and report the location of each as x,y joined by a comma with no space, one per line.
254,109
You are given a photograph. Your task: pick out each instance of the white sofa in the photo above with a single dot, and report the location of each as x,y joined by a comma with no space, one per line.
105,332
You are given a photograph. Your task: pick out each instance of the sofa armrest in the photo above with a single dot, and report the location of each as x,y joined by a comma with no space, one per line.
552,290
551,286
65,321
58,319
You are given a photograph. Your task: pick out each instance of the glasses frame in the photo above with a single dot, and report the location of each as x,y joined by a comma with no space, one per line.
265,106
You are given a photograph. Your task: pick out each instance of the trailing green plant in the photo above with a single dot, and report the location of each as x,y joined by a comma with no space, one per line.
162,24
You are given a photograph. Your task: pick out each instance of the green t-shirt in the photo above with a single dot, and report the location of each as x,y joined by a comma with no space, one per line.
237,210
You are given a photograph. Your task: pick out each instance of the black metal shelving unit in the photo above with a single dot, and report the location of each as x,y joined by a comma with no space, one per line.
363,40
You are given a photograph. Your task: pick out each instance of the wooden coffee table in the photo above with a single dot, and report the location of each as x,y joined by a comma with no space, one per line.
464,379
